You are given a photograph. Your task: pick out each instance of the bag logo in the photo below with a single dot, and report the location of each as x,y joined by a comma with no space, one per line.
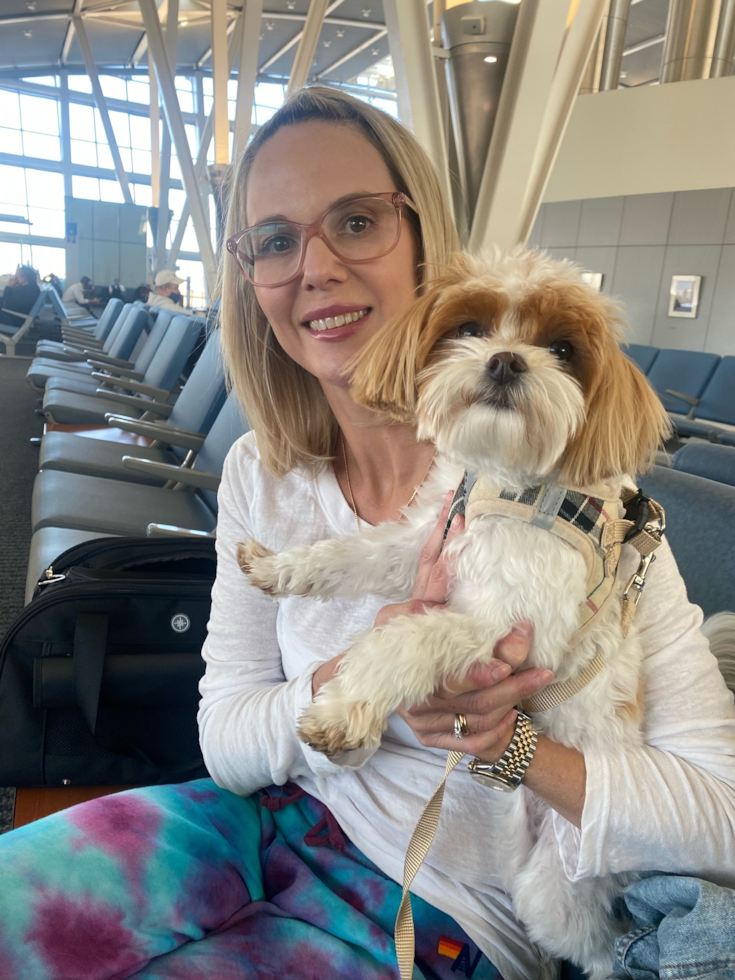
180,623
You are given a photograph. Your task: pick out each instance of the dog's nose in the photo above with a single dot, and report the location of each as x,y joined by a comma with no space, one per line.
504,367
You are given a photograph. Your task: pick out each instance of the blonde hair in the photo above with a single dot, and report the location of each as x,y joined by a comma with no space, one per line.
284,404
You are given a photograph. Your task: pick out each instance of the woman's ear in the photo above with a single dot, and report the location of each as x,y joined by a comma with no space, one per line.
625,425
384,371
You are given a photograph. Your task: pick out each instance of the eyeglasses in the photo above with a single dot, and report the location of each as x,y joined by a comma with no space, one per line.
357,230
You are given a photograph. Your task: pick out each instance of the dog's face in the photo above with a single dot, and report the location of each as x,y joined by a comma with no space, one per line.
511,364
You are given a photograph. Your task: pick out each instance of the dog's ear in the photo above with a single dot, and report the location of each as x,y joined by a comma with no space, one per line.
626,423
384,372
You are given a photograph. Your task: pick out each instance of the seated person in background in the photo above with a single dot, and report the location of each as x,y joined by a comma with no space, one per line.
81,292
142,293
116,290
20,293
165,293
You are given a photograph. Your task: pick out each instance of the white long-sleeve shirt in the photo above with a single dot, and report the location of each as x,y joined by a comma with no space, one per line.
668,806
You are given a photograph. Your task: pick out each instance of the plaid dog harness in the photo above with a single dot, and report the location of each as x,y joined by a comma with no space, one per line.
597,528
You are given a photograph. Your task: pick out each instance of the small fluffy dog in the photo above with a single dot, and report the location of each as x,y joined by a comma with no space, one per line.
511,365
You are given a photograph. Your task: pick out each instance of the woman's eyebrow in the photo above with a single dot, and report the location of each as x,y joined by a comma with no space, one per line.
352,196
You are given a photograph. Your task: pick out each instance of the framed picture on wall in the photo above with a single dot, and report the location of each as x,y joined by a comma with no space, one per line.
684,296
593,279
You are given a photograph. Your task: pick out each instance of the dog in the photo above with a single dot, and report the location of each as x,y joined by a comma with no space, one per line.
512,366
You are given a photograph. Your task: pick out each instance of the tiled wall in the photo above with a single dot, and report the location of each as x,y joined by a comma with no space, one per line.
638,243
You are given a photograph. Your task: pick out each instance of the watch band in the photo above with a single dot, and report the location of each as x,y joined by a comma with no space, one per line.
507,773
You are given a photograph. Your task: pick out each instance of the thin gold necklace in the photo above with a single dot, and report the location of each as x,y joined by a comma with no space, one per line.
349,485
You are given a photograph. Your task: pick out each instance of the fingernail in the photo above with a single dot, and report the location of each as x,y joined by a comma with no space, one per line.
501,671
522,630
545,677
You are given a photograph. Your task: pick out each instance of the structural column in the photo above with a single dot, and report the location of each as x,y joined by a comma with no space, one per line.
691,30
247,71
418,92
612,59
178,132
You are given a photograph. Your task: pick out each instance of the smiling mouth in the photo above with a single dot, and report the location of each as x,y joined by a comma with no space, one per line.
330,322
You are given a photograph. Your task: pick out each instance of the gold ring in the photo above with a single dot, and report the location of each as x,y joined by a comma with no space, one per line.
460,726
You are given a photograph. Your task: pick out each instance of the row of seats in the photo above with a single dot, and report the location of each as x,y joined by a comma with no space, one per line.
64,315
697,390
89,487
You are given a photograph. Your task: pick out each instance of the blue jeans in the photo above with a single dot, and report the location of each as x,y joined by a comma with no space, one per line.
682,929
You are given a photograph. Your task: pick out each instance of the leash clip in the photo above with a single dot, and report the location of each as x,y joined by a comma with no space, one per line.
638,578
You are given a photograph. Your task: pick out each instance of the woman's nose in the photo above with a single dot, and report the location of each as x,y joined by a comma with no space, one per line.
320,263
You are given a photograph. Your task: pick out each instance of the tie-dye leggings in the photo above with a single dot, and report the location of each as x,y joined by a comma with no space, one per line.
190,882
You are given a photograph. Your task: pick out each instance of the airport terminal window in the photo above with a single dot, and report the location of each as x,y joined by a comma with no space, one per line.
30,130
30,125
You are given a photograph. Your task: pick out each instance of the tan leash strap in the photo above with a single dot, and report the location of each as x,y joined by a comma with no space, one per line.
558,692
418,848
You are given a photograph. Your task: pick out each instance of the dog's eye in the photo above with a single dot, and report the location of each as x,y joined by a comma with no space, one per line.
472,329
561,349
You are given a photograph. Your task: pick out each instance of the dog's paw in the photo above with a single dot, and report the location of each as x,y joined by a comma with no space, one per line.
258,563
337,727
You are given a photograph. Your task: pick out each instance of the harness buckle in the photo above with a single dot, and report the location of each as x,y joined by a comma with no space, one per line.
638,578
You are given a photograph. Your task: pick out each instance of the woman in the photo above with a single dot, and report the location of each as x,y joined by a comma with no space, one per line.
151,869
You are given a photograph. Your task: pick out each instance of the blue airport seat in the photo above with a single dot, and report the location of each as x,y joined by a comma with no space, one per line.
642,355
700,527
684,371
709,461
716,405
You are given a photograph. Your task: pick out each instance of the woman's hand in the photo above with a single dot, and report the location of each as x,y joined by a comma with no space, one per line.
487,694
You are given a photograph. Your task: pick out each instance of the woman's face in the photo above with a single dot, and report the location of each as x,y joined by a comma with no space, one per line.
297,175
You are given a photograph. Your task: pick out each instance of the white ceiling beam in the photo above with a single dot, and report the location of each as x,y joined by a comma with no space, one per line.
307,45
534,53
296,39
175,122
69,36
208,53
91,67
220,76
142,45
575,53
642,45
171,45
417,88
247,71
201,163
352,54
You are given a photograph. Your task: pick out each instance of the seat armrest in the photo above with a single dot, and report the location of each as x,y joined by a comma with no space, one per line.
172,531
162,433
137,404
158,394
176,474
106,361
689,399
115,371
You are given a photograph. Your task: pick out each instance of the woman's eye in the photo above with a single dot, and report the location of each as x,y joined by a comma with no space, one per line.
357,224
471,329
561,349
275,244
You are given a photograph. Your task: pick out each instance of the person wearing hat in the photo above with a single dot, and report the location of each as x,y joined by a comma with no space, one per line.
165,293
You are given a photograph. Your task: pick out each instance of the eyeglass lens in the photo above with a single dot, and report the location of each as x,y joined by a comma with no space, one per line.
360,229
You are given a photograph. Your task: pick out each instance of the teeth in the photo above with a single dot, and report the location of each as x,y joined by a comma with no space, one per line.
328,323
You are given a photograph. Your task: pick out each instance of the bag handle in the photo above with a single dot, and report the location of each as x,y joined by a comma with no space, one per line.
90,645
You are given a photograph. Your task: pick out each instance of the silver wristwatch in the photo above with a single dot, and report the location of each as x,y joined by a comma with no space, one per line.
507,773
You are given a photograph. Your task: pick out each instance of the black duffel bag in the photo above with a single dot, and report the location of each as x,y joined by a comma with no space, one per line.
99,674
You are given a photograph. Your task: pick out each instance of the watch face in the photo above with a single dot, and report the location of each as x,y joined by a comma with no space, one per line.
493,782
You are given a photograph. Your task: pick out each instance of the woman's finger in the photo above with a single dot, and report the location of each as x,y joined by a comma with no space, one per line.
431,550
437,588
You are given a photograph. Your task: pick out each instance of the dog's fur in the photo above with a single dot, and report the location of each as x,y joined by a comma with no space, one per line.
584,422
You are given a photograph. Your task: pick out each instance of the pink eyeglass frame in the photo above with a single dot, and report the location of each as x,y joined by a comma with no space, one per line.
316,230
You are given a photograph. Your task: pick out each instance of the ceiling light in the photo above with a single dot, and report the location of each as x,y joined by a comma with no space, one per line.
28,33
366,11
491,59
31,5
183,23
